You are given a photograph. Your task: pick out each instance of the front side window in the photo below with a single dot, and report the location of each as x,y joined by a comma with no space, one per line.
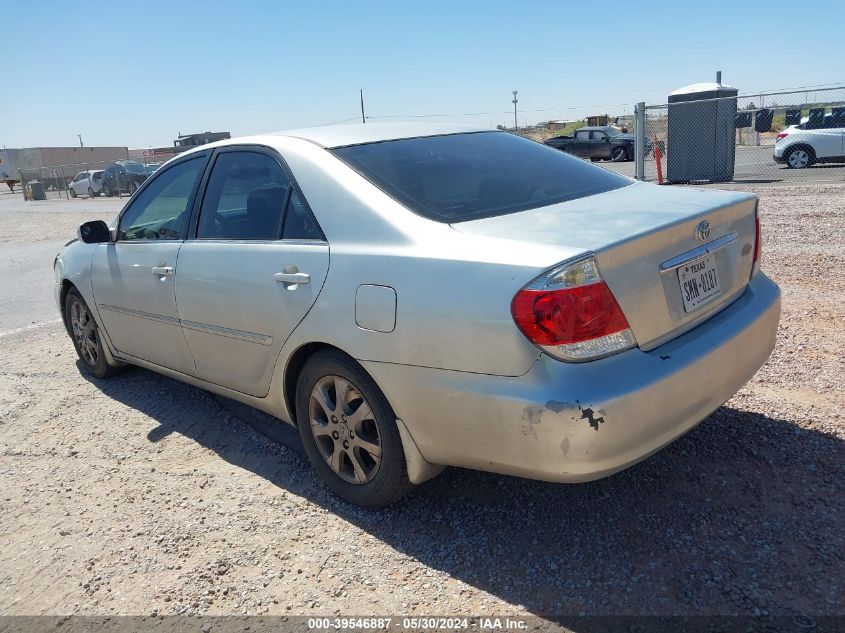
599,136
161,210
582,136
245,198
459,177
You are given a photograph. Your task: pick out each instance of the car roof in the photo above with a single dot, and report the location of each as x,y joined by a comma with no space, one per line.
332,136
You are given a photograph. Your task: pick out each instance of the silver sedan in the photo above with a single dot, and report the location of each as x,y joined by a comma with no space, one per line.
413,297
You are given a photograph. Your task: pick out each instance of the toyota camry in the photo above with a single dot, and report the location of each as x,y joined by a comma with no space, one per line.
415,296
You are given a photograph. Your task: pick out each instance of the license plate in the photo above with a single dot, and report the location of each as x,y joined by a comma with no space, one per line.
699,282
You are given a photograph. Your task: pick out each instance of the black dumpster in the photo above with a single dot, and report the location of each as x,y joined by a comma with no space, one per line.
701,130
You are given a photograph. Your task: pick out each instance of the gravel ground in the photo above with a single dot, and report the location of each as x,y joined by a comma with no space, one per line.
142,495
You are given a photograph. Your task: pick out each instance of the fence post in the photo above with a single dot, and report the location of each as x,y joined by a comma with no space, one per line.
639,145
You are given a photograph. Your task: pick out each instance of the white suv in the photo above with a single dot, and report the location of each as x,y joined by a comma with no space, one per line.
800,146
87,182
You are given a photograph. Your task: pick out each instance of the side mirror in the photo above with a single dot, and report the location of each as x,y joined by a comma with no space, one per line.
94,232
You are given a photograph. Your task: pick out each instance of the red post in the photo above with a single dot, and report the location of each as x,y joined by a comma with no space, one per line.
657,160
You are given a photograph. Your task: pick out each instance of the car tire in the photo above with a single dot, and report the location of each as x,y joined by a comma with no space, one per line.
85,335
800,157
342,445
619,155
72,192
106,190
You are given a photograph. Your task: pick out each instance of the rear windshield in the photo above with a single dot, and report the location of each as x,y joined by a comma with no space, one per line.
135,168
461,177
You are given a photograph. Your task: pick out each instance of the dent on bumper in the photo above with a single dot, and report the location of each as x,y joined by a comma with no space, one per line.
576,422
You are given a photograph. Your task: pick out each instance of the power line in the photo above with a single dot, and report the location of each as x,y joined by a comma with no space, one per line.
563,108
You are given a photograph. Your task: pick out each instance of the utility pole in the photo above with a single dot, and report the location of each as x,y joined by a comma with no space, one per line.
363,118
80,140
515,100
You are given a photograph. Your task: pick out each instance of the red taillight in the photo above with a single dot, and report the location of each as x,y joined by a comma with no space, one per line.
783,135
569,315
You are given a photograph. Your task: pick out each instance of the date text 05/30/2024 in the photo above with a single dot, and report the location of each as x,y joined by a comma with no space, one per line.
418,623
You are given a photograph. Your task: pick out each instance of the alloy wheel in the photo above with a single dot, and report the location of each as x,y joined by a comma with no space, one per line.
345,429
84,333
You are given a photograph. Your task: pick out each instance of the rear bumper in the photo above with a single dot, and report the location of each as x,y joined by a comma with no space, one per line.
576,422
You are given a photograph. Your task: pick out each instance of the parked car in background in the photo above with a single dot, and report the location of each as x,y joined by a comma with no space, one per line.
801,146
596,143
88,182
416,296
124,176
152,167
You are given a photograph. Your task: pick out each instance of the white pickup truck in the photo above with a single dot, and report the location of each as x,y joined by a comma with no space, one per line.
800,146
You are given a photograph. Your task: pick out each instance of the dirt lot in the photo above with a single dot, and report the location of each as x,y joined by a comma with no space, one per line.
140,494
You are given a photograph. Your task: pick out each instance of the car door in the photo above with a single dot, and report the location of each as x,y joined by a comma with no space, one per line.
75,184
108,178
581,144
95,182
842,140
252,272
826,142
122,179
133,278
81,185
599,145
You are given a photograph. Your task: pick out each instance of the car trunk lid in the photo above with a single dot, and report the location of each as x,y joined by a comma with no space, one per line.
648,241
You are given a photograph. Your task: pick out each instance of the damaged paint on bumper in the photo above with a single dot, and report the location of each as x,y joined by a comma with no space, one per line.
577,422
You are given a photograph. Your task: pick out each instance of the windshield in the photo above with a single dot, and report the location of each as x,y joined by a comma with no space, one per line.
461,177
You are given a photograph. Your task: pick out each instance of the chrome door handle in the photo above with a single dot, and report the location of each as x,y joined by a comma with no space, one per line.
292,278
162,271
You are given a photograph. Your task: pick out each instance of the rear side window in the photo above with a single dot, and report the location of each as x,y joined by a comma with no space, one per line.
250,197
460,177
299,223
245,198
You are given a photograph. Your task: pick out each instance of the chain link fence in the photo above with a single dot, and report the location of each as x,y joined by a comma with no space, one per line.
782,136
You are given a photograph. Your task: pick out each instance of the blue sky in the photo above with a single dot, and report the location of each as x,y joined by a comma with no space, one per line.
137,73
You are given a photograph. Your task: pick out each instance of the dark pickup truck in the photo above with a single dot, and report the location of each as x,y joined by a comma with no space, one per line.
596,143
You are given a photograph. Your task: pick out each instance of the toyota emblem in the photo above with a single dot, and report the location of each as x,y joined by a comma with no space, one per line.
702,231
